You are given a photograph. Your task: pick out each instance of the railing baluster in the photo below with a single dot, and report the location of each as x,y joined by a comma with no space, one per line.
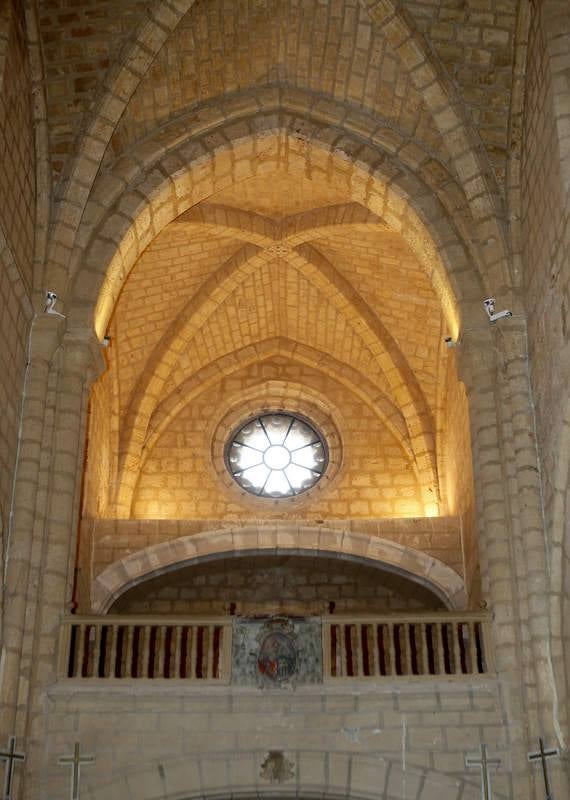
146,651
193,651
104,650
79,650
103,656
407,638
137,650
210,645
352,650
424,643
176,652
127,651
471,650
391,649
113,633
160,645
445,654
359,630
185,656
484,652
438,657
456,628
373,652
93,666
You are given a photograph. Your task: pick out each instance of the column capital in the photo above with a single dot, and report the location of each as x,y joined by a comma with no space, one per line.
511,342
46,336
476,357
82,352
481,352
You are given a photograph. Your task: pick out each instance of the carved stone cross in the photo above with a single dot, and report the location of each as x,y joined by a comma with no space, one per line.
10,756
542,754
483,763
76,761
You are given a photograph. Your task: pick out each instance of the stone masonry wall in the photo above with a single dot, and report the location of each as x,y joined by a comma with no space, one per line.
178,481
546,261
79,41
390,740
15,314
16,241
17,164
262,585
546,228
474,40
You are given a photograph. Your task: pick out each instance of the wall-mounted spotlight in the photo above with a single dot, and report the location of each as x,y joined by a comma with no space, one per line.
51,300
489,305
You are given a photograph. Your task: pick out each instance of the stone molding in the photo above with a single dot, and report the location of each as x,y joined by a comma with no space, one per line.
278,539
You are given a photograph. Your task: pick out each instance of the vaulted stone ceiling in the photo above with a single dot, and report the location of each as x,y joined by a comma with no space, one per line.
222,48
347,50
233,242
248,278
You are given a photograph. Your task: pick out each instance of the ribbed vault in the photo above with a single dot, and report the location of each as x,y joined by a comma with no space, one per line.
289,246
219,291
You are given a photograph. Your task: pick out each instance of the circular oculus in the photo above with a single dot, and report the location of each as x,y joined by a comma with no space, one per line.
277,455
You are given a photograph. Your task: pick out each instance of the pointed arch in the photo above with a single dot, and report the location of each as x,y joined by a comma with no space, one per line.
175,403
187,175
213,292
125,75
182,395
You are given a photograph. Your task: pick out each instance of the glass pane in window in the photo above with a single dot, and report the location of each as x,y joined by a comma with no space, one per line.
277,455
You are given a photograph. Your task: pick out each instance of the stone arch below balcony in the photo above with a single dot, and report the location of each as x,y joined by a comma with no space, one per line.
302,540
307,774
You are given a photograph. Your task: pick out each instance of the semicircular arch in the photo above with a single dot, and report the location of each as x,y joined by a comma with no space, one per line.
278,539
237,774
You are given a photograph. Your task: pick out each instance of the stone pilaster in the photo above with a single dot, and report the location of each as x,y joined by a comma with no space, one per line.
529,534
46,336
478,367
494,368
52,540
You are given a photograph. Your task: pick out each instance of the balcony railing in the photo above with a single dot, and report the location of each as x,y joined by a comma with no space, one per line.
396,646
200,649
146,648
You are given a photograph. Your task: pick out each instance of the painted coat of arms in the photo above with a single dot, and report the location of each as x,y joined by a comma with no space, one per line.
277,656
278,652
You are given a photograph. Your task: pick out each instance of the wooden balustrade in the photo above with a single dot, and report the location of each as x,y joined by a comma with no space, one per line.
396,646
188,648
146,648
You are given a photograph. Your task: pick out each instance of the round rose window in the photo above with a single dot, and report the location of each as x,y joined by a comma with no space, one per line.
277,455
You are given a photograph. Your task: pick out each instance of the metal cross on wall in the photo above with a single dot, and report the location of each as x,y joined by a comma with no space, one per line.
76,761
543,755
10,757
483,763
